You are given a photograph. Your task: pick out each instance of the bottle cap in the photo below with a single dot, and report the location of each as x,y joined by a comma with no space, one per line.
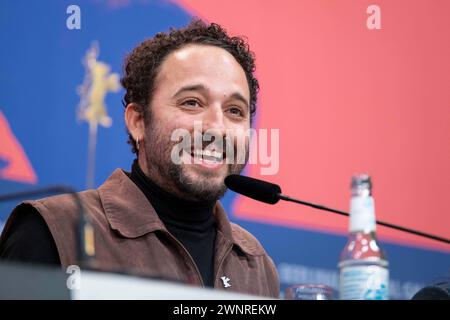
361,184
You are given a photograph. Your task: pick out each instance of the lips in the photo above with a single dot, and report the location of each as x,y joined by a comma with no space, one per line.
208,155
210,159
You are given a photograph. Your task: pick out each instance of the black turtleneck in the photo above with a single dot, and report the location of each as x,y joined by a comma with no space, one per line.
191,223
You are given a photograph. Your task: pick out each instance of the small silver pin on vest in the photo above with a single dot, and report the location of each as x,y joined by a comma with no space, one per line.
225,281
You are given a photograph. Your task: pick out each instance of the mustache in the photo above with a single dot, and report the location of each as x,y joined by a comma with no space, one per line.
212,142
227,145
233,148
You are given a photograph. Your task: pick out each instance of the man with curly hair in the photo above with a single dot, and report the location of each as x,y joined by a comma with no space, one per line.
163,219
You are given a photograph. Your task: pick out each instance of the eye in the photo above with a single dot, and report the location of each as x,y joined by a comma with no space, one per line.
190,103
236,112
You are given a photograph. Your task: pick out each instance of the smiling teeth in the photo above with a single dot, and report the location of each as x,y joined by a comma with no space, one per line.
207,154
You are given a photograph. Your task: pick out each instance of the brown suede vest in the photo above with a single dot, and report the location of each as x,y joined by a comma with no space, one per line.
130,237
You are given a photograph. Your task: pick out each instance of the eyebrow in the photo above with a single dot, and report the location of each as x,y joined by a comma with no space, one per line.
192,87
201,87
240,97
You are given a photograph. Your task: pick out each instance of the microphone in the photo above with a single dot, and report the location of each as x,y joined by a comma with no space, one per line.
436,291
253,188
271,193
86,247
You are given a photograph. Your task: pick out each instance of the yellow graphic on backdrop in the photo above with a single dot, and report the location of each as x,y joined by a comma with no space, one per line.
98,81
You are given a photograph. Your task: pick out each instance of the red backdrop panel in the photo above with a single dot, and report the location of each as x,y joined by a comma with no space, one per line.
348,99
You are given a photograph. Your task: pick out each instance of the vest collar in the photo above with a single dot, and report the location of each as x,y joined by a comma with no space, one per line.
130,213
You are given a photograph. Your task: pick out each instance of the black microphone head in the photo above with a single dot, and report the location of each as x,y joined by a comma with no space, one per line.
253,188
437,291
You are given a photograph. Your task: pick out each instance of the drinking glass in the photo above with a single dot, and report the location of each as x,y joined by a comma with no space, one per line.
309,292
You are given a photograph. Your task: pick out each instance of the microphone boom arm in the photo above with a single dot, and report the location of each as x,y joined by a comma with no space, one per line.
381,223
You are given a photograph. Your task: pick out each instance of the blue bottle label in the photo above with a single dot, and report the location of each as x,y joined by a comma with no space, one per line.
364,283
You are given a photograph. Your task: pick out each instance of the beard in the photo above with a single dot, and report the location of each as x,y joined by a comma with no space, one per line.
175,178
204,190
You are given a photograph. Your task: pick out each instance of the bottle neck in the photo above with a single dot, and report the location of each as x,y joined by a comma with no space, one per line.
359,235
362,214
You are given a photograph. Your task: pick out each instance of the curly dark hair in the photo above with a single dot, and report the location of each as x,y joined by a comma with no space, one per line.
142,64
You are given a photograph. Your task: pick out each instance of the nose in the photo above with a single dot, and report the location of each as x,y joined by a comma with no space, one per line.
214,120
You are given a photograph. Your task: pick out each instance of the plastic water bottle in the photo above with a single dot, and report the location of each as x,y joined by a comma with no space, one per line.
363,266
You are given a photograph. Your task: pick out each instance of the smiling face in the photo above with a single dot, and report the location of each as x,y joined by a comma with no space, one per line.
197,83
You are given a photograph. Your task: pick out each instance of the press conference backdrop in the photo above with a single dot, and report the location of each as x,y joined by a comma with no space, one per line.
351,87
